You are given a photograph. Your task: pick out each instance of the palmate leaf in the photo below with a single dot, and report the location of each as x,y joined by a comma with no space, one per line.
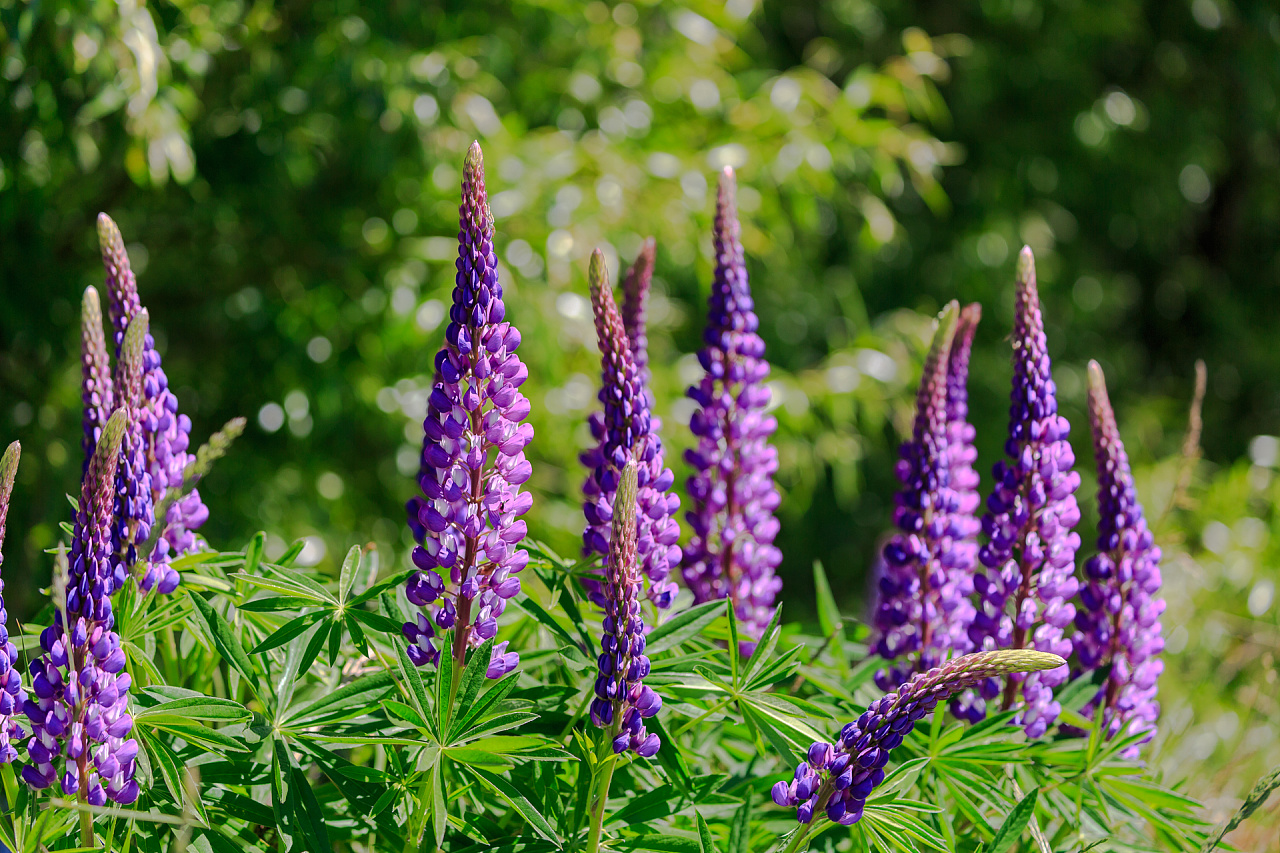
518,801
351,700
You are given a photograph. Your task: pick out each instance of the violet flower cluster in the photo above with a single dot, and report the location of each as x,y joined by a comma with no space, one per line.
166,434
626,431
622,701
731,554
78,706
12,696
837,778
928,563
1025,594
467,519
1119,616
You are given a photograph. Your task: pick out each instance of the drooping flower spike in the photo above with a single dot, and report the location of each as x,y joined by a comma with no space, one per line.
731,554
1120,607
166,433
839,777
12,696
1025,593
78,707
626,431
923,609
622,702
635,307
95,388
467,519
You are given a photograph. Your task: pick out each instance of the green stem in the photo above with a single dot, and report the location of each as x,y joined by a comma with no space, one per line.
797,840
86,829
600,785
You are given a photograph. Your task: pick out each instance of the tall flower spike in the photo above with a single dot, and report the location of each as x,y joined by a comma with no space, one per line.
635,307
1025,594
134,510
467,519
12,696
1119,616
166,434
923,610
79,703
95,389
625,431
731,554
622,702
839,777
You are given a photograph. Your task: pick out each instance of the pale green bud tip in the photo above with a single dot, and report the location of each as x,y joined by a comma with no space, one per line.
9,469
135,338
1026,268
1016,660
91,305
598,273
108,234
474,162
1097,382
112,436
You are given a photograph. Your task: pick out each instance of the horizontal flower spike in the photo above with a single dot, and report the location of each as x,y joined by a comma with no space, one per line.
622,702
78,707
166,433
839,777
732,552
1026,590
923,610
626,431
12,696
1118,621
467,517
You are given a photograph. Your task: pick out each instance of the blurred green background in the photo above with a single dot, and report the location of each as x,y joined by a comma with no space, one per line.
286,175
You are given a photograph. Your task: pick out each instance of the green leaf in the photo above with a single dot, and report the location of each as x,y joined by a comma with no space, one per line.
706,842
287,558
472,680
253,552
1015,824
350,700
347,576
829,618
210,740
293,628
740,831
204,708
660,843
226,642
519,802
683,626
401,711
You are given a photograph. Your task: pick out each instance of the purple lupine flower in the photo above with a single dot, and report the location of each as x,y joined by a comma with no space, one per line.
1025,594
12,696
731,554
635,307
134,511
622,701
467,520
923,609
625,431
95,389
78,707
166,433
1119,616
839,777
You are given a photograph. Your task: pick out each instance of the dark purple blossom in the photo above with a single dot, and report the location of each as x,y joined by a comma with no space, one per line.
78,705
12,696
1119,614
731,554
837,778
626,431
467,519
1025,594
622,701
134,510
923,607
166,433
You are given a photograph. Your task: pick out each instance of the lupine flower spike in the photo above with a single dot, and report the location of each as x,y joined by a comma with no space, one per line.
12,696
166,434
921,613
622,702
1025,594
731,554
625,431
79,703
1119,616
467,519
95,389
134,510
839,777
635,307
